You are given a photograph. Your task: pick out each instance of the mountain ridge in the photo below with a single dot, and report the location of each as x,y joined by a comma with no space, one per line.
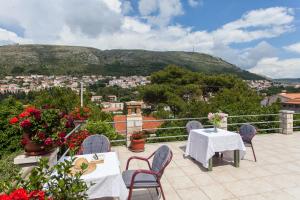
78,60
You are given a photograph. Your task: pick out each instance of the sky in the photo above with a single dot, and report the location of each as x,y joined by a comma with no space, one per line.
261,36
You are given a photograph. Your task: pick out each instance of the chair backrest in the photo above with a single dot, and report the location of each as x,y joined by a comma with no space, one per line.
95,144
193,125
162,157
247,132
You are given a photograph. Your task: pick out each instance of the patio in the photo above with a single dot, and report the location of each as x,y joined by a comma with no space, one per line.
276,175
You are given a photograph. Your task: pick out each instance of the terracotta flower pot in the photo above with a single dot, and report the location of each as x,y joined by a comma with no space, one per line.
34,149
137,145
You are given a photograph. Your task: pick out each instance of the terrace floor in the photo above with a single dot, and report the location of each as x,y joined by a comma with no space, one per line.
276,174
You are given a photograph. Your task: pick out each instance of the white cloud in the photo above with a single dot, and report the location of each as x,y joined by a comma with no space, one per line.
8,37
195,3
293,47
246,58
160,12
105,24
278,68
257,24
97,16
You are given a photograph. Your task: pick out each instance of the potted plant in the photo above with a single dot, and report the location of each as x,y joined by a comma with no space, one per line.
137,142
80,114
43,130
216,119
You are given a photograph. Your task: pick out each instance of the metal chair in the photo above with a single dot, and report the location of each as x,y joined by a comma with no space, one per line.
95,144
193,125
247,133
136,179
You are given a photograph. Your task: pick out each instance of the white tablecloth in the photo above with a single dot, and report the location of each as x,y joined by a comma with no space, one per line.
203,143
107,178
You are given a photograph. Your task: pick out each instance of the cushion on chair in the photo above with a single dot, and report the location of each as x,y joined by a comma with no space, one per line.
247,132
193,125
141,180
160,159
95,144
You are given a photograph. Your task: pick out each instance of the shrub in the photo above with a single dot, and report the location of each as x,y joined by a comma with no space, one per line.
171,132
9,137
100,127
7,167
59,182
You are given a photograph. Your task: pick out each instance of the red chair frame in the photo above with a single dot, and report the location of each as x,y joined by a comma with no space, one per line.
140,171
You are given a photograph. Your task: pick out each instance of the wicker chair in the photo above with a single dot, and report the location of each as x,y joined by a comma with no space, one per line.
95,144
136,179
193,125
247,133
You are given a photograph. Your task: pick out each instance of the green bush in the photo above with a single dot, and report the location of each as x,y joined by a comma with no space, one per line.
9,137
98,115
60,183
7,167
100,127
171,132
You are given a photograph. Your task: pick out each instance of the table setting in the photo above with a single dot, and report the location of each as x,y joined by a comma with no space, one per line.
204,143
102,174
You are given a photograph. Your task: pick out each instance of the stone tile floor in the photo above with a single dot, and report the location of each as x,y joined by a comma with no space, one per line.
276,174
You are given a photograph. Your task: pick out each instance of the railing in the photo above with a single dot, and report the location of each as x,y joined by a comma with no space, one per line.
296,121
174,129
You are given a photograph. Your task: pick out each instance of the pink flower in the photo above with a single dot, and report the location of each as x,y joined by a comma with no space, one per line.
210,116
48,142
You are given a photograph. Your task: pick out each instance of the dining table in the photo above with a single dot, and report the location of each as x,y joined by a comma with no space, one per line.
204,143
106,179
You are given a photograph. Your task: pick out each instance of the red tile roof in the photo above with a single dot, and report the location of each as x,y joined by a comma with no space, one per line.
121,126
290,95
295,102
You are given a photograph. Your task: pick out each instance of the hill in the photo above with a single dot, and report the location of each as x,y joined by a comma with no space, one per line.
288,80
74,60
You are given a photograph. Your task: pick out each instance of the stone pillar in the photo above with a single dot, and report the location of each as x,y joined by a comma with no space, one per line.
27,163
134,119
286,121
223,124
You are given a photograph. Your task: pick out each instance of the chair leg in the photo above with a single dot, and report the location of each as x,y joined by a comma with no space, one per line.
162,192
253,151
129,194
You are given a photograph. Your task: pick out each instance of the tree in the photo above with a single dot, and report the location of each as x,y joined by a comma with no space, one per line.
64,99
9,136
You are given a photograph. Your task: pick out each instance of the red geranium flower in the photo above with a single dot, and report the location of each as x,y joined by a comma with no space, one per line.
24,114
13,120
19,194
48,141
30,109
41,135
62,134
37,194
5,197
26,123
